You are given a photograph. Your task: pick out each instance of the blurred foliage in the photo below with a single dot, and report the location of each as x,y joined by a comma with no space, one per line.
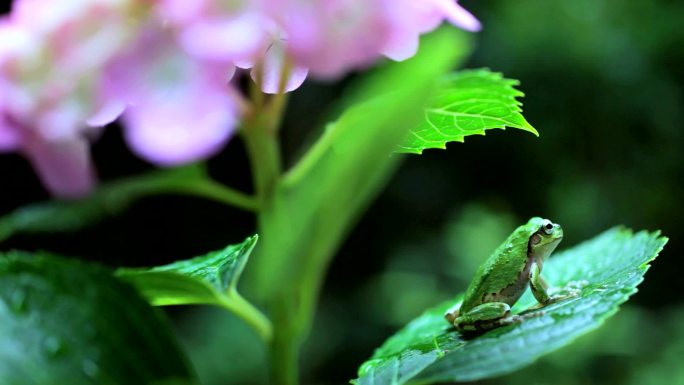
221,347
604,85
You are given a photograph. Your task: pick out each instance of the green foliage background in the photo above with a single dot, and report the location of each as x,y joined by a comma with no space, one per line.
604,83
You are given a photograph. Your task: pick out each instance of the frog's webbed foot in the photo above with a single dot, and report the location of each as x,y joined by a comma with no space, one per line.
571,290
452,313
553,298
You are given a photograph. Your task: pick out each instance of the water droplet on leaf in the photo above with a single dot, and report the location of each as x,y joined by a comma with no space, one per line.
53,346
368,365
90,368
18,301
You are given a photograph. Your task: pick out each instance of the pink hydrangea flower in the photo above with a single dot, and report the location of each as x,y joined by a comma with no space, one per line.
180,108
50,55
332,37
216,29
238,32
69,67
327,38
411,18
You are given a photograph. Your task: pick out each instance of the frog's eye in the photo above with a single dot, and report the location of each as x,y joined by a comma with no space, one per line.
547,227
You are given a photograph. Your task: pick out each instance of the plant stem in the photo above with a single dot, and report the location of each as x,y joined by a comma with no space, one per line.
264,154
260,133
220,193
250,314
284,349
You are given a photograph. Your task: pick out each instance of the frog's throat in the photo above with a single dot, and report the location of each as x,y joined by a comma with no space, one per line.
542,252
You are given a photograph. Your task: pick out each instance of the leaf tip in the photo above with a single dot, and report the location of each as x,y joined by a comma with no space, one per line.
526,126
249,244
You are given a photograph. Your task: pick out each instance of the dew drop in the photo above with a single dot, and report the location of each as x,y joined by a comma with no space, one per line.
90,368
53,346
18,301
368,366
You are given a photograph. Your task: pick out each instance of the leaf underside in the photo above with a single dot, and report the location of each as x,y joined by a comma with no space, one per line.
207,279
467,103
429,350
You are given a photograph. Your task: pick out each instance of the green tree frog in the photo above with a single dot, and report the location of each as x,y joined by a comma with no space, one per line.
503,278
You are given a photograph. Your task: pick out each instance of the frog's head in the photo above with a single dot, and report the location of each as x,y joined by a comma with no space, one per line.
545,238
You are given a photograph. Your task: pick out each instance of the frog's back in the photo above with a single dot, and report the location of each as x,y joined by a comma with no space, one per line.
503,276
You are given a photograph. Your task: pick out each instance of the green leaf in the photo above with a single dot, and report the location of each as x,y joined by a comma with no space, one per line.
467,103
209,279
428,350
112,198
68,322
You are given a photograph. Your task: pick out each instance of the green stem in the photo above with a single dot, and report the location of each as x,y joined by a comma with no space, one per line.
248,313
220,193
285,345
260,133
255,93
264,153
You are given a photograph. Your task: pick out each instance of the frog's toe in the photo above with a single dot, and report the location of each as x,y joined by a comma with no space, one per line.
571,289
452,314
563,295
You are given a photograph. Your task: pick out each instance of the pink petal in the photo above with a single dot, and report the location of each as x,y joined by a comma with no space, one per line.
57,123
15,40
458,15
244,63
402,45
418,16
156,66
180,108
272,67
179,131
10,139
181,11
238,38
64,167
108,112
332,37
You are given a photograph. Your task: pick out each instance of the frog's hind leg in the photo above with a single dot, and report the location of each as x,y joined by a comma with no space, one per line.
485,317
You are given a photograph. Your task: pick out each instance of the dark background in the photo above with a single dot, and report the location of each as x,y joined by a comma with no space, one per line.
603,82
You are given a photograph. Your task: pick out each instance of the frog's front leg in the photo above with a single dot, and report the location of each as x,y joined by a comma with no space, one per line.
540,289
487,316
